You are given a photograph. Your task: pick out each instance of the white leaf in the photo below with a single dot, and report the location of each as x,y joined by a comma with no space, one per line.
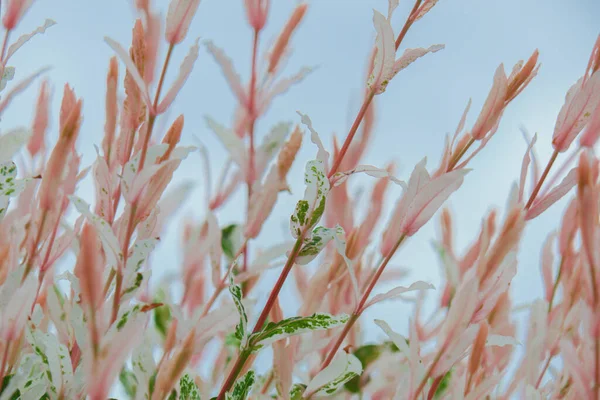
370,170
11,142
308,211
398,339
343,368
184,72
501,341
232,77
322,154
397,292
131,68
25,38
233,144
386,54
110,243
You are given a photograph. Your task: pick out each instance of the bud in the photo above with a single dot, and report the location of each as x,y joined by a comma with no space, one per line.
256,11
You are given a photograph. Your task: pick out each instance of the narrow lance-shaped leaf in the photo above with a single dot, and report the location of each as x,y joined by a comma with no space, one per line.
385,56
25,38
10,186
243,386
184,72
308,211
322,154
11,142
297,391
110,243
370,170
241,332
343,368
293,326
7,75
179,17
19,87
188,389
397,292
233,144
232,77
557,193
131,68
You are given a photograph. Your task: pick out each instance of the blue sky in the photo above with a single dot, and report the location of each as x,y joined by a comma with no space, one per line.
420,106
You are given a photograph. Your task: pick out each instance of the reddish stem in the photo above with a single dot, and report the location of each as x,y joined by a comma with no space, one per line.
546,365
4,46
243,356
359,307
456,158
538,186
251,110
222,284
351,133
131,224
435,362
407,24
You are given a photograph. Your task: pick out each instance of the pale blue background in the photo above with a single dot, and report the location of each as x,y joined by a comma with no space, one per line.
422,104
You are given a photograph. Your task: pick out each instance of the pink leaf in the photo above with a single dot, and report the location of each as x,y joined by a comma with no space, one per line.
383,66
493,106
104,190
184,72
429,199
424,9
558,192
179,17
232,77
14,11
547,266
581,376
40,122
135,74
580,101
524,166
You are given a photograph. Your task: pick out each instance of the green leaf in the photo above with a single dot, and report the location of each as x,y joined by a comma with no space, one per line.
309,210
368,354
162,314
188,389
242,387
275,331
10,186
317,241
297,391
228,240
444,384
127,379
240,329
127,315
